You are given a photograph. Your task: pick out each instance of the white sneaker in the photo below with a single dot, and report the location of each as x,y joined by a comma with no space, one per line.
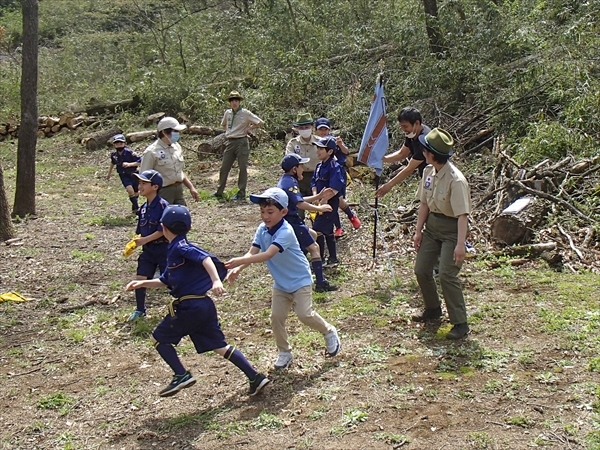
332,342
284,360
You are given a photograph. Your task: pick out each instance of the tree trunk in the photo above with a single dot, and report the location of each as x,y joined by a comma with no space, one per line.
95,140
121,105
6,229
436,41
25,188
138,136
215,146
517,222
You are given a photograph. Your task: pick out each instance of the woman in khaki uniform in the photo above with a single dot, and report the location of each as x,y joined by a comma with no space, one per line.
444,210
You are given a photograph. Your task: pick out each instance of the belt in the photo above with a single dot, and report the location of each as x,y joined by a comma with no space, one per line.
173,184
177,301
443,216
159,241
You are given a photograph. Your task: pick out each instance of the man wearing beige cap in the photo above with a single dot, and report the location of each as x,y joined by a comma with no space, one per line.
166,157
237,122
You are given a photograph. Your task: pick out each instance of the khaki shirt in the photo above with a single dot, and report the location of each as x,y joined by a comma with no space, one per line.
304,150
166,160
241,120
445,192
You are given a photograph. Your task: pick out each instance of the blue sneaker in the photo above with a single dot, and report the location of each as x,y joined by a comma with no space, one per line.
136,315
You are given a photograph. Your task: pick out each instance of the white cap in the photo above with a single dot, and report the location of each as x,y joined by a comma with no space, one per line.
170,122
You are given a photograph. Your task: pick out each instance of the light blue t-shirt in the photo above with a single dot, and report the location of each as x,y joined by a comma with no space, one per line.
289,268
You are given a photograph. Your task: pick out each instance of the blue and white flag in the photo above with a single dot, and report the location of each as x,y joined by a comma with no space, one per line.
375,143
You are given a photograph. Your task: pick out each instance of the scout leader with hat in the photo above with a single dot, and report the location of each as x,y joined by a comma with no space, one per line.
237,122
303,145
166,157
443,213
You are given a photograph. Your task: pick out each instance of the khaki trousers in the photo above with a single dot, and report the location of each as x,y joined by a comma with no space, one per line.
173,194
235,149
301,302
439,241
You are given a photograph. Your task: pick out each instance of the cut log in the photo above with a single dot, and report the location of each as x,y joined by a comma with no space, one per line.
153,119
202,130
111,107
138,136
55,128
95,140
516,223
64,119
527,250
215,146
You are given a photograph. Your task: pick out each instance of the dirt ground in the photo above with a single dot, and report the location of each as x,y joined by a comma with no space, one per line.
75,375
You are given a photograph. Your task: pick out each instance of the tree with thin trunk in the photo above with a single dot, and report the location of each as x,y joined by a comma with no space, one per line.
436,41
6,228
25,187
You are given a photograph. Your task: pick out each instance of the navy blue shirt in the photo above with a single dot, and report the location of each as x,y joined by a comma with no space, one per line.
127,156
340,156
185,274
328,174
150,215
416,149
289,184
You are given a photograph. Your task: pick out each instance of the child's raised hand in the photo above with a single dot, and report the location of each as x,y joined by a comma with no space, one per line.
233,262
218,288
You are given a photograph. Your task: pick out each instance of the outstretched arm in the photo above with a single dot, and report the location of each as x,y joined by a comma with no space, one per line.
211,269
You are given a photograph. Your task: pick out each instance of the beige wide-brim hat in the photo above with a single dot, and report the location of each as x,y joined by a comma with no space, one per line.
234,95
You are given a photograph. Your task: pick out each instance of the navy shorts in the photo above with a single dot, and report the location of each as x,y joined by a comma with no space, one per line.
303,235
196,318
152,256
129,180
324,222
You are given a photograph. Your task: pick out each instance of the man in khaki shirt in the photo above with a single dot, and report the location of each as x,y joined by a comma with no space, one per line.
303,145
237,122
444,211
166,157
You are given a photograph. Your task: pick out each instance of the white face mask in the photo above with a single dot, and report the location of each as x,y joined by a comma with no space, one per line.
305,133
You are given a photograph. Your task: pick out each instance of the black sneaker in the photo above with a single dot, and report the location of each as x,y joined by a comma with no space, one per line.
332,262
458,331
428,315
217,195
179,382
259,382
325,287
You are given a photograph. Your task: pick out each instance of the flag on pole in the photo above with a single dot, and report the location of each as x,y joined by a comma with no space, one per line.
375,143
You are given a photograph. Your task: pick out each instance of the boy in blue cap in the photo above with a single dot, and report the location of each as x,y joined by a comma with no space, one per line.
191,272
275,243
323,129
154,244
126,163
328,174
292,165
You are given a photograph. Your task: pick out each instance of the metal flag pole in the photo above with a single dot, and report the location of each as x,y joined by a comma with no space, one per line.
376,219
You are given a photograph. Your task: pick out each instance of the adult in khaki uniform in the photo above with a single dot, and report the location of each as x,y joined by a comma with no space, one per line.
166,157
444,210
237,122
303,145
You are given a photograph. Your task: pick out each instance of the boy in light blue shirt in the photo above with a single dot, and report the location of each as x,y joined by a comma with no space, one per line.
275,243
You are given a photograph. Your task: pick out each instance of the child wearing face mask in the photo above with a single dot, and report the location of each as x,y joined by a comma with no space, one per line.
166,157
412,125
303,146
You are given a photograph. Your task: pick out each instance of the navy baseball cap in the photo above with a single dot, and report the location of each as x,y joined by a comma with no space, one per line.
118,138
322,122
327,142
274,193
176,213
151,176
292,160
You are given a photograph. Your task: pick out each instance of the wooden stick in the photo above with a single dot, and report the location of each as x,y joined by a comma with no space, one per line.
571,244
94,301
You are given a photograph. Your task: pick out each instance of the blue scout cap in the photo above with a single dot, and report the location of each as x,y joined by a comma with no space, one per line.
438,141
327,142
322,122
292,160
274,193
151,176
176,213
118,138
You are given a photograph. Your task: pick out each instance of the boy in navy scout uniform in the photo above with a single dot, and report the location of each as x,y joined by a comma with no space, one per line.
275,243
444,211
328,174
192,272
154,250
126,163
323,129
292,165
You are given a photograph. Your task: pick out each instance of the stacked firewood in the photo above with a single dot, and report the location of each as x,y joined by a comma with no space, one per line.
48,126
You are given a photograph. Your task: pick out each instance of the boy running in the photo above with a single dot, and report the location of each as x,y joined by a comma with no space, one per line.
192,272
126,163
275,243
